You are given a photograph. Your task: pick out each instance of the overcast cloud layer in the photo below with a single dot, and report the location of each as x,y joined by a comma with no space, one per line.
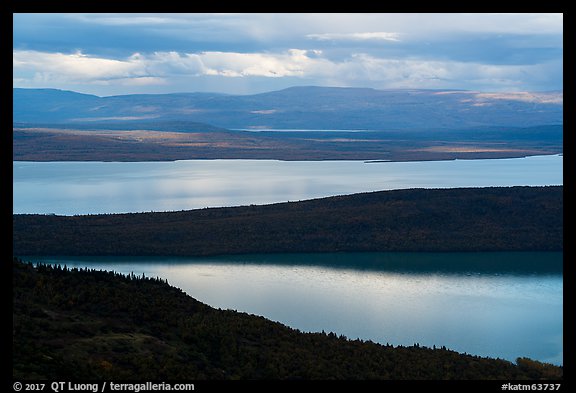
108,54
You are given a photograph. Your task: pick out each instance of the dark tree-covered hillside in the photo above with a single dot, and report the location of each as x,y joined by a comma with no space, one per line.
462,219
71,324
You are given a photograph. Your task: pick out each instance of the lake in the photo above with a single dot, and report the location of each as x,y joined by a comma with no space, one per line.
505,305
70,188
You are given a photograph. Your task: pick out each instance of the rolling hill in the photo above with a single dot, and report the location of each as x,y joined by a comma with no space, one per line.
346,124
320,108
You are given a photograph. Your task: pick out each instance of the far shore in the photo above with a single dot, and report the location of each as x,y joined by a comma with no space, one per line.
51,144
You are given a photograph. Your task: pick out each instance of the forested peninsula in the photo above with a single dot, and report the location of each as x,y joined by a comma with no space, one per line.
461,219
80,324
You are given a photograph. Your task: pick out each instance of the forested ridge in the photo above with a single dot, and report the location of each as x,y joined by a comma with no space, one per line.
88,324
461,219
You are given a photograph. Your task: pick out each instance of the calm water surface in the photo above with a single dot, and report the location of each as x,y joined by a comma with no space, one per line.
489,304
503,305
70,188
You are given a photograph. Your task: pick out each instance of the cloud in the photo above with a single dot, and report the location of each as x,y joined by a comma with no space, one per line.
259,52
127,19
77,66
372,36
294,62
334,25
153,67
417,73
176,69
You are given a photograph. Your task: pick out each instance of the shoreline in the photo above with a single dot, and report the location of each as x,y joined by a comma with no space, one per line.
144,145
366,161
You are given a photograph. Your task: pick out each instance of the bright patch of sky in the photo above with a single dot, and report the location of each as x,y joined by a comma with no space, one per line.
109,54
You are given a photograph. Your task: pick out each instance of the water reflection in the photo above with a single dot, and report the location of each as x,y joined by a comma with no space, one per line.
458,263
417,262
115,187
503,305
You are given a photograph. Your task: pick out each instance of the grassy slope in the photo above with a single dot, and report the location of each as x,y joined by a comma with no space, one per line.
71,324
464,219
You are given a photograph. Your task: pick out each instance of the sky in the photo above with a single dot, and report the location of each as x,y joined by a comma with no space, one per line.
112,54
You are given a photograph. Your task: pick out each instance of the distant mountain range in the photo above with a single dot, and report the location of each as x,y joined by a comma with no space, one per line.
319,108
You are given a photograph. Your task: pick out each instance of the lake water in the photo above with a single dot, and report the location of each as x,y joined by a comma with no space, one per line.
504,305
70,188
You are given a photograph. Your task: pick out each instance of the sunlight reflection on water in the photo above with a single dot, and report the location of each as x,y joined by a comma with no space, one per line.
70,188
508,314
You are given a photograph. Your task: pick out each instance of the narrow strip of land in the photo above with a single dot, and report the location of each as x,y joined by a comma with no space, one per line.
462,219
65,144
